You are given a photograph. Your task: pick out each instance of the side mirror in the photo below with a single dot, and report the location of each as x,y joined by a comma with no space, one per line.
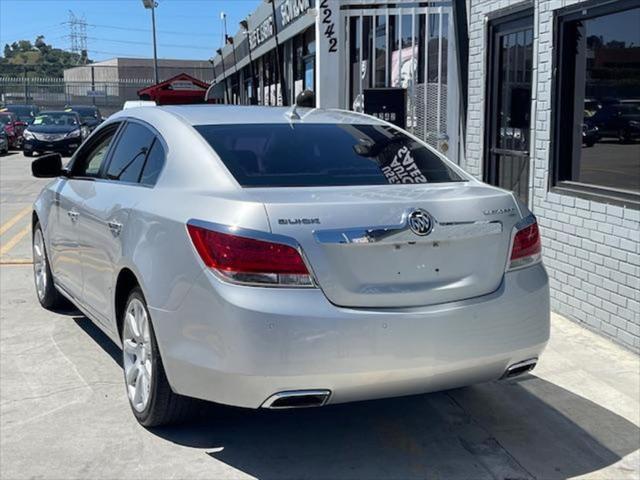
47,166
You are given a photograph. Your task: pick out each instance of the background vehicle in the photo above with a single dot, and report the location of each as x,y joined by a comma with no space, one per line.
619,120
13,128
267,257
25,113
89,114
53,132
590,133
4,143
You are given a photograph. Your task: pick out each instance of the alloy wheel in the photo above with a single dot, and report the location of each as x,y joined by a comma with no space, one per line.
137,354
40,265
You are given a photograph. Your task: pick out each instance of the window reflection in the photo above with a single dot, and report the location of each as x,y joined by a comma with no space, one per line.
605,54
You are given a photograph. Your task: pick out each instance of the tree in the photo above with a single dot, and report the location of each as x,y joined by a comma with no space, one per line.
38,59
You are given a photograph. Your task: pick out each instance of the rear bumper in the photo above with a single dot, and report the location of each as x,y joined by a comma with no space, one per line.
240,345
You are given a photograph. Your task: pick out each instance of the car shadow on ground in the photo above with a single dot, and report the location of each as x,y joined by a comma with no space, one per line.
523,428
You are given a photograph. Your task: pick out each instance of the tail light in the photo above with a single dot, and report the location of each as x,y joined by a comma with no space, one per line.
249,261
527,247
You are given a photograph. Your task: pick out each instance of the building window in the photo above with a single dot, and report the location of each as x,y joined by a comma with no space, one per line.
597,129
354,60
381,51
367,60
309,49
420,40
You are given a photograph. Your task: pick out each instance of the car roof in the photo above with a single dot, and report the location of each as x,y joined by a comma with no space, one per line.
235,114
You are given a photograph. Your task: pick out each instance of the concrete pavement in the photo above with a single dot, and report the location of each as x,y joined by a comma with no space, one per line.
64,412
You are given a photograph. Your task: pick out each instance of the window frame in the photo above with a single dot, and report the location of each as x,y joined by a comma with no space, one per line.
95,140
562,101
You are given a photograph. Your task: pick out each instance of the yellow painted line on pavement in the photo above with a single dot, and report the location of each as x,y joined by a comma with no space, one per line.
15,219
19,262
13,241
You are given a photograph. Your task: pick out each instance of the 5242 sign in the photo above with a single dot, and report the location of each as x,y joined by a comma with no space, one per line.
329,25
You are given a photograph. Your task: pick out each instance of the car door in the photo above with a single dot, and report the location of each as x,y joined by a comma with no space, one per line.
105,214
64,250
63,238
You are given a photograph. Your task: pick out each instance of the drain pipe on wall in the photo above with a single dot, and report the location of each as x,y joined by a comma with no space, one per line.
534,109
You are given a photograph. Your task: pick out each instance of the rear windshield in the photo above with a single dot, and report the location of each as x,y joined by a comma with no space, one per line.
315,155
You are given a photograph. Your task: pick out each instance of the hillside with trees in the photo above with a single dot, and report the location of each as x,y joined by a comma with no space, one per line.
37,59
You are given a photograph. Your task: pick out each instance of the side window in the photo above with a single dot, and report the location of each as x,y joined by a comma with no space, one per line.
153,165
130,152
88,162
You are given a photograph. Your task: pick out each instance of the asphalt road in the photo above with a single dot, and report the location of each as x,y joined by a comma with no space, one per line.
64,412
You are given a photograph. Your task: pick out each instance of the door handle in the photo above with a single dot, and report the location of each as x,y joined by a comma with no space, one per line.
73,215
115,227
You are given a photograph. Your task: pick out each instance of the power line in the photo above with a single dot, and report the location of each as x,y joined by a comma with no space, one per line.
145,30
134,42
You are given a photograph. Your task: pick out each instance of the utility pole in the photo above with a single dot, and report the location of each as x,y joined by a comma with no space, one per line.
227,40
151,5
224,74
244,25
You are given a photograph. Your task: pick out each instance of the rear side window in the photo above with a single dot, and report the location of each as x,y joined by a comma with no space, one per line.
130,153
153,165
298,155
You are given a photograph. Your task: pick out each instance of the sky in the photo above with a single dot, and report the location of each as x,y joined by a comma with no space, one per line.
186,29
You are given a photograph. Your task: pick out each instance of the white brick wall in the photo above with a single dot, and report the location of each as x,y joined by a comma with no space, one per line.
591,249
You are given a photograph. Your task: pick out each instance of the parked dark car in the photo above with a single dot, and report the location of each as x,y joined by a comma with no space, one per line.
89,114
25,113
53,131
619,120
13,128
4,143
590,133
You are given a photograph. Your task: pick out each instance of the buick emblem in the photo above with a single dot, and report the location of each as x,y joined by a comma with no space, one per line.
420,222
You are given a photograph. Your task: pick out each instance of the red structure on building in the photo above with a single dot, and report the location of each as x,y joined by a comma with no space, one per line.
179,90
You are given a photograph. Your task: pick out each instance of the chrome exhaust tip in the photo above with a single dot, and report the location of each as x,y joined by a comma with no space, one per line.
519,368
296,399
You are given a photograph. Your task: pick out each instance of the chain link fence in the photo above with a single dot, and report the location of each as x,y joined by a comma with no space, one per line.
106,87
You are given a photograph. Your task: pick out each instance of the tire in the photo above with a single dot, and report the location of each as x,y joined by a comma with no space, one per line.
48,295
28,153
624,136
147,378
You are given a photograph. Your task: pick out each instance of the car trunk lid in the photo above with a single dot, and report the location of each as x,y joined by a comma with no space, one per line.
363,253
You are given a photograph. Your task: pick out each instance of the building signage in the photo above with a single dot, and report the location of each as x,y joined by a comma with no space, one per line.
328,58
184,85
292,9
261,33
329,26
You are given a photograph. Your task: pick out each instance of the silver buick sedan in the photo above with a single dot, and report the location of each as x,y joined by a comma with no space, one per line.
280,258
